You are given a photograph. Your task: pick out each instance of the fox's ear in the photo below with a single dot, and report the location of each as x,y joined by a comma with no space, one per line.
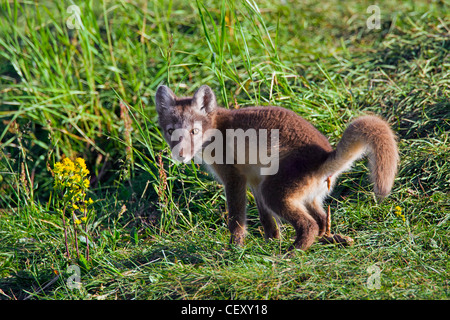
204,99
165,98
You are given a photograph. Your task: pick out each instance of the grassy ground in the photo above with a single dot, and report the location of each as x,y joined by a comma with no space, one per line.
158,230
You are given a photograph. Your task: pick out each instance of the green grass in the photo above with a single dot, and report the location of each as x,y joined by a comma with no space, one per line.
160,228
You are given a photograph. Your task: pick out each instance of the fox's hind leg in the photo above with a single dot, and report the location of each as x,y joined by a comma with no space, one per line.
296,213
306,227
265,216
316,211
297,198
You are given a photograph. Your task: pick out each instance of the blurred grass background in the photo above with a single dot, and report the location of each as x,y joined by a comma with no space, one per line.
160,228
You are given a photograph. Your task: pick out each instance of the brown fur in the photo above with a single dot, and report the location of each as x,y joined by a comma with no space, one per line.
308,165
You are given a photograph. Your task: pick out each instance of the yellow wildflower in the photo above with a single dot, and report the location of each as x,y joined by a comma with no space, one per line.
59,167
80,162
69,166
71,180
82,165
71,183
76,179
398,213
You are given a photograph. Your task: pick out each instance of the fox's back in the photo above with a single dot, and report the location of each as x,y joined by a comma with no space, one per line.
295,133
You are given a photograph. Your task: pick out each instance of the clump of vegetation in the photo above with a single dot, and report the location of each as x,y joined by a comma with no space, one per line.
71,185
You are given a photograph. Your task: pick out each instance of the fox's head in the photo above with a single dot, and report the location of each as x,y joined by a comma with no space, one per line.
184,120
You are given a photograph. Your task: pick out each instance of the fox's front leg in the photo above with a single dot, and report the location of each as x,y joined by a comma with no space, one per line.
236,202
235,192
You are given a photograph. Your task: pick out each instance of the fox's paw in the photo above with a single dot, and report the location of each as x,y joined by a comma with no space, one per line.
337,239
237,239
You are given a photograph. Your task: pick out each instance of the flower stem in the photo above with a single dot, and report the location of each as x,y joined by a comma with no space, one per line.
65,232
75,234
87,240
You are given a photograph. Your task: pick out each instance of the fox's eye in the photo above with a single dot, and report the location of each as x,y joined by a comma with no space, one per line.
195,131
170,131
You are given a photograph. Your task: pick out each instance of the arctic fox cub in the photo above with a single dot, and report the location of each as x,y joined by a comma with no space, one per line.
288,164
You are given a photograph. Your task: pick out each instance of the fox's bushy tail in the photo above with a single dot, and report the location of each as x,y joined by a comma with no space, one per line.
372,136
